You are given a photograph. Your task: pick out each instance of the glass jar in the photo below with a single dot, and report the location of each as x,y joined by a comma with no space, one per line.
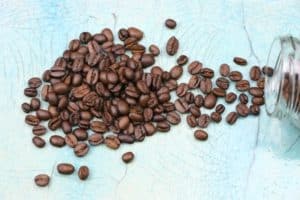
282,90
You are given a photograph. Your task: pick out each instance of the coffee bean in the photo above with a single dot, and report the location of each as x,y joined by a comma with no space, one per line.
108,34
123,34
98,127
147,60
261,83
243,98
220,108
65,168
189,97
172,46
258,100
154,50
231,118
240,61
26,107
181,106
207,73
83,172
30,92
80,134
182,60
32,120
60,88
256,92
57,141
203,120
149,128
135,32
194,82
255,73
230,97
95,139
210,101
242,110
81,149
142,87
242,85
38,141
176,72
85,37
195,67
39,130
254,109
71,140
182,89
112,142
163,126
216,117
222,83
171,84
173,117
74,45
54,123
200,135
127,157
43,114
224,70
219,92
124,122
191,120
268,71
34,82
199,100
170,23
35,103
205,85
235,76
42,180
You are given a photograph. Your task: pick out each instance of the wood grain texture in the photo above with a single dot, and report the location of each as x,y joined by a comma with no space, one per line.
258,158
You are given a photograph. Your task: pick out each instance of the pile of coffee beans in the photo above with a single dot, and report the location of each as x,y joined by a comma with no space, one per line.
98,92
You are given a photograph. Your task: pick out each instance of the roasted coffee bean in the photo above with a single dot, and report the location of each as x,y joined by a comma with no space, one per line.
123,34
216,117
154,50
42,180
60,88
45,91
57,141
203,120
199,100
195,111
65,168
240,61
66,127
254,109
235,76
242,85
255,73
38,141
172,46
124,122
26,107
182,89
85,37
32,120
176,72
173,117
83,172
222,83
205,85
163,126
219,92
112,142
135,32
220,108
34,82
243,98
108,34
194,82
149,128
80,134
191,121
181,106
256,92
207,73
195,67
39,130
30,92
170,23
92,76
242,110
35,103
126,138
230,97
261,83
139,133
258,100
98,126
46,76
224,70
189,97
96,139
147,60
81,149
43,114
200,135
182,60
171,84
268,71
142,87
54,123
71,140
74,45
210,101
231,118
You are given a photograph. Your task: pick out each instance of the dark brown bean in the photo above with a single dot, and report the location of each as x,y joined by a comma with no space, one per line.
200,135
32,120
135,32
96,139
147,60
35,103
205,85
194,82
163,126
57,141
243,98
224,70
71,140
176,72
207,73
80,134
219,92
199,100
81,149
210,101
173,117
254,109
127,157
268,71
231,118
170,23
230,97
216,117
255,73
235,76
83,172
195,67
182,60
30,92
256,92
39,130
65,168
34,82
112,142
42,180
181,106
98,127
242,85
154,50
60,88
222,83
182,89
26,107
220,108
191,121
38,141
258,101
43,114
172,46
240,61
242,110
85,37
203,120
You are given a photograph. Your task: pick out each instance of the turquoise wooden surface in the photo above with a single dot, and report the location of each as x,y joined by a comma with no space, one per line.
258,158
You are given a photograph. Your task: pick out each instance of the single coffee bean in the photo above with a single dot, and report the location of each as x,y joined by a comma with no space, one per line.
81,149
98,127
240,61
200,135
38,141
30,92
219,92
74,45
195,67
261,83
176,72
182,89
71,140
268,71
163,126
154,50
173,118
127,157
147,60
60,88
171,84
124,122
52,98
39,130
57,141
83,172
195,111
224,70
123,34
255,73
256,92
216,117
254,109
96,139
258,101
34,82
231,118
172,46
85,37
242,85
126,138
108,34
191,120
220,108
222,83
243,98
205,85
194,82
181,105
182,60
149,128
42,180
135,32
142,87
32,120
170,23
235,76
65,168
43,114
230,97
80,134
210,101
203,120
242,110
35,103
54,123
26,107
199,100
207,73
112,142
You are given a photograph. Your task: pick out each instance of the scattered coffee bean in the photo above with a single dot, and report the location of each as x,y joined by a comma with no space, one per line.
201,135
205,85
216,117
170,23
182,89
38,141
71,140
176,72
195,111
240,61
172,46
173,117
242,85
42,180
182,60
220,108
230,97
231,118
32,120
203,120
57,141
181,106
26,107
39,130
261,83
256,92
219,92
154,50
268,71
199,100
210,101
65,168
127,157
191,121
195,67
34,82
224,70
35,103
207,73
30,92
222,83
242,110
112,142
81,149
43,114
96,139
243,98
258,101
255,73
235,76
254,109
83,172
